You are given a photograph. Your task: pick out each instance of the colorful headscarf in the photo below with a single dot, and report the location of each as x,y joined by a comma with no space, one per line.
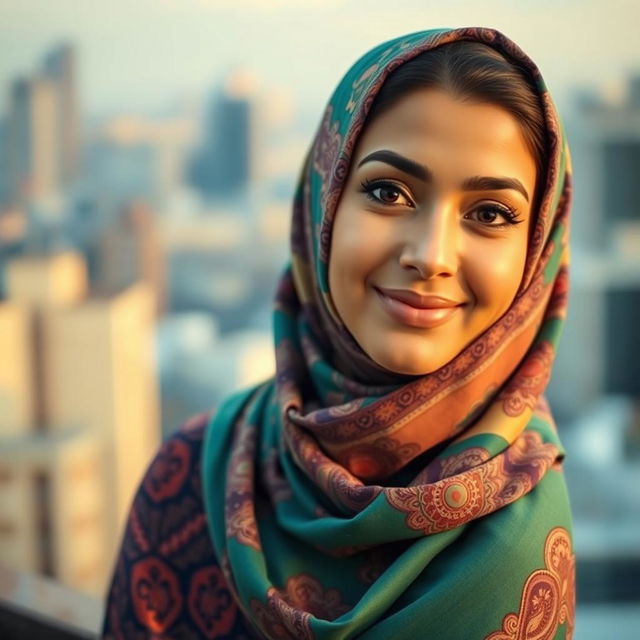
347,502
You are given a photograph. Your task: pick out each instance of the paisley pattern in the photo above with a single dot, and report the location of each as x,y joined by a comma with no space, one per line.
530,381
287,612
210,603
326,150
444,399
157,597
558,303
278,619
465,496
334,480
335,459
166,476
240,519
166,581
548,597
343,500
458,463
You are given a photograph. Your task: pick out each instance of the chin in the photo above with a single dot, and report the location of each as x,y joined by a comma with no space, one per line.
408,365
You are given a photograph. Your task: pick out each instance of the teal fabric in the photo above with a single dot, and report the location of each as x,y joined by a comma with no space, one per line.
467,535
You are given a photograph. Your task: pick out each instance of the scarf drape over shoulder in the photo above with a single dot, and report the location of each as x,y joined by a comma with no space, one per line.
345,501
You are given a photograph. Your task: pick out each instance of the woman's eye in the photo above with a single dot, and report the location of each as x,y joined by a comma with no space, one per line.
385,193
488,214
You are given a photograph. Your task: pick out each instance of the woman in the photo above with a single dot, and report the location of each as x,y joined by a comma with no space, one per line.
400,476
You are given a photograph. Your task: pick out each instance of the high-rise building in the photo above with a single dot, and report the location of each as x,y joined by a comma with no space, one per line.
18,397
53,517
604,309
60,66
32,139
40,146
5,187
131,157
99,371
131,251
78,417
44,281
228,158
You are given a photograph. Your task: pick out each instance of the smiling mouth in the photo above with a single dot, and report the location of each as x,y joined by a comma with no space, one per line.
423,318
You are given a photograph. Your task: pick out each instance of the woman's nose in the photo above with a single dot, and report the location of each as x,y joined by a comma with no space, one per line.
431,245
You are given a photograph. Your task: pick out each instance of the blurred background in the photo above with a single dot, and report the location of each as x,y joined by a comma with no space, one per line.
148,157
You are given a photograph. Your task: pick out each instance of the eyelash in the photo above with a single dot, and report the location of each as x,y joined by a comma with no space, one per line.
369,186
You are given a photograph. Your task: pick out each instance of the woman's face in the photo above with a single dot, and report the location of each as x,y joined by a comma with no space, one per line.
437,204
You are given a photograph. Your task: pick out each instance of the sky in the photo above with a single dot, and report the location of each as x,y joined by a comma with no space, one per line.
142,56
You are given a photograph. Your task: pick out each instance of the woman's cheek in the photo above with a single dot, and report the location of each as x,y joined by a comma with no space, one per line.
496,276
354,243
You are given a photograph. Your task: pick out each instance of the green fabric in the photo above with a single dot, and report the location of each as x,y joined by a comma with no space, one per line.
462,536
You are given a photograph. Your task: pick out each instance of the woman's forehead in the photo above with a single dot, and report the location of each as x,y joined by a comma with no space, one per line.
446,134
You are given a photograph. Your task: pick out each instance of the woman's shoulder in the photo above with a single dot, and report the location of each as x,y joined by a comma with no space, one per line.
174,470
166,579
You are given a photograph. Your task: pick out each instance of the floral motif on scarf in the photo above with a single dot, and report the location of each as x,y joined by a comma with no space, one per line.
347,501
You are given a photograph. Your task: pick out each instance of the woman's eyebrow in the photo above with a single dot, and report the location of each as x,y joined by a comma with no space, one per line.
399,162
475,183
486,183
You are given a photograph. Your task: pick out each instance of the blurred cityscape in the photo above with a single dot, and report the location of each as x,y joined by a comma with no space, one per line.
138,262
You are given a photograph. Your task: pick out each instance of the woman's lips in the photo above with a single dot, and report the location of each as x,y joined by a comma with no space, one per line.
414,316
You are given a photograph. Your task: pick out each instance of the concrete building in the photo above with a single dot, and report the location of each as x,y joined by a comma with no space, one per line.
60,66
32,139
39,145
52,498
78,417
130,157
228,159
130,251
604,305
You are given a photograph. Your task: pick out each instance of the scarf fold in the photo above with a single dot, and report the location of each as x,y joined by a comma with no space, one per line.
345,500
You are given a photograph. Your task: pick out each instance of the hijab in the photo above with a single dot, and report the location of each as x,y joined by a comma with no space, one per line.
344,500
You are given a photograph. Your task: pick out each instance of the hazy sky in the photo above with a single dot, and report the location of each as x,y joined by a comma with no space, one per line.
140,55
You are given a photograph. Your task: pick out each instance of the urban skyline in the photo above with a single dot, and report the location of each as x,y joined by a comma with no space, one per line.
193,269
109,313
